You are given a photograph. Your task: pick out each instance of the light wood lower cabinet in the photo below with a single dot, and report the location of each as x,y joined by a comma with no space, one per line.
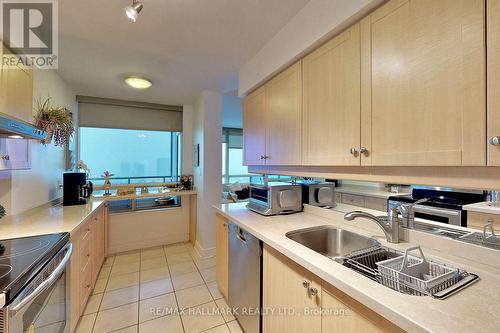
287,291
89,248
222,258
342,314
302,302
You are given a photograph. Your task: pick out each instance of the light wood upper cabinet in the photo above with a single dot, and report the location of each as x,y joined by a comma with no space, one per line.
286,287
426,80
254,128
272,121
222,258
16,91
493,42
284,114
331,113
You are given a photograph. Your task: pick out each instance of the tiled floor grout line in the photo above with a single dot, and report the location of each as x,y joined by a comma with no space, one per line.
105,286
166,255
173,287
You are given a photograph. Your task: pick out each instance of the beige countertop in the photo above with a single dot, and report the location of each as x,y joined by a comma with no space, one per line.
482,207
369,191
46,220
49,219
145,195
474,309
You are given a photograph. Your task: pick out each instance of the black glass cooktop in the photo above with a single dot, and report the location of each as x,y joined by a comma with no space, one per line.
22,258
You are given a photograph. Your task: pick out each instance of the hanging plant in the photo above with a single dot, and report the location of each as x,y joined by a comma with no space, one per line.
55,120
2,211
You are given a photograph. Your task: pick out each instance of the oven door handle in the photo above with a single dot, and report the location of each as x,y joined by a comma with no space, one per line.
48,282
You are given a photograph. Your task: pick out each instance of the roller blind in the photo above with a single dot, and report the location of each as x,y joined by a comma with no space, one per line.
106,113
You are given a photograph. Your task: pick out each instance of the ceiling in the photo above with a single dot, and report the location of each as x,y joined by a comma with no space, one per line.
183,46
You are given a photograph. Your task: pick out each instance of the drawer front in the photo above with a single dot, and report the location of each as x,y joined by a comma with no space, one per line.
477,220
85,253
376,203
355,200
85,285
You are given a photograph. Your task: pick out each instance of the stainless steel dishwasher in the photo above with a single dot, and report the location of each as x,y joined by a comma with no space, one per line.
245,278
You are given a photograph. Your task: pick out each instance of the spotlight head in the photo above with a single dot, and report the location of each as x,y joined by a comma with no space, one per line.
133,11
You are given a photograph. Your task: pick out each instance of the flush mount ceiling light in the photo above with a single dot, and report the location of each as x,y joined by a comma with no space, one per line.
138,82
133,11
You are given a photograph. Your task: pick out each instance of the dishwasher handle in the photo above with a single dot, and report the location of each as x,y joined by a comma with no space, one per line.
239,235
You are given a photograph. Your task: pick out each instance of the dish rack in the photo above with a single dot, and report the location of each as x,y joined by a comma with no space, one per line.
409,274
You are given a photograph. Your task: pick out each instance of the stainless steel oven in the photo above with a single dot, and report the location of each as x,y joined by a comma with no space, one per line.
41,306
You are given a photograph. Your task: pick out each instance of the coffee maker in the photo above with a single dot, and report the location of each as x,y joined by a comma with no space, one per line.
76,189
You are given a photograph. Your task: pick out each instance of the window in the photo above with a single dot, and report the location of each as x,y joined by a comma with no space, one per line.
233,169
133,156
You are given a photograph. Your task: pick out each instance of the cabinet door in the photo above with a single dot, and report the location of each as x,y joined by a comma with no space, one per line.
284,114
493,41
343,314
331,114
254,128
14,154
296,310
222,258
97,242
74,281
16,92
428,79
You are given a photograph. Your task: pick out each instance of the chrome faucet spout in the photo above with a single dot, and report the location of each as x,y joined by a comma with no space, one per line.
389,224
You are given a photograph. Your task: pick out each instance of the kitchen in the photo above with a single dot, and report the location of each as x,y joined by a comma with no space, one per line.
360,184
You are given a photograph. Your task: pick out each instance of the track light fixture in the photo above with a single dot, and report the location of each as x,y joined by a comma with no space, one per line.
133,10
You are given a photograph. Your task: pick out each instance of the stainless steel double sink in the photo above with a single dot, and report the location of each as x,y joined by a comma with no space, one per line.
331,242
363,254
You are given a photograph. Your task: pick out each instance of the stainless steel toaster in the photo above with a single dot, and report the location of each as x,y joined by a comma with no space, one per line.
275,198
318,194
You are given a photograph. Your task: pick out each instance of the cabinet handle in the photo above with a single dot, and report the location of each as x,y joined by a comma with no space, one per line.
306,284
495,141
364,151
5,157
313,291
353,151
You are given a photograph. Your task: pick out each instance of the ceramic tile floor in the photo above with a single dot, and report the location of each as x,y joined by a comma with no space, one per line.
136,292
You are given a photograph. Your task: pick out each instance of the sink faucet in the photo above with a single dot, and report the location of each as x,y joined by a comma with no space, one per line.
389,224
408,212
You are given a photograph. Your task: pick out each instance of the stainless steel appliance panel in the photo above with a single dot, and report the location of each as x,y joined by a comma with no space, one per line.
41,305
245,276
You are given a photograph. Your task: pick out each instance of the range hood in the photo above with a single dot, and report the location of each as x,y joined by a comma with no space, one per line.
13,128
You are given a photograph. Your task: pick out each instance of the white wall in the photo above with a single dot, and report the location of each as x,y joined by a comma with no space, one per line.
207,122
232,111
24,189
313,24
187,140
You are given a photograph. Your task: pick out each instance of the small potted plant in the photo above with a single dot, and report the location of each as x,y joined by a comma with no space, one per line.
107,184
2,211
55,120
